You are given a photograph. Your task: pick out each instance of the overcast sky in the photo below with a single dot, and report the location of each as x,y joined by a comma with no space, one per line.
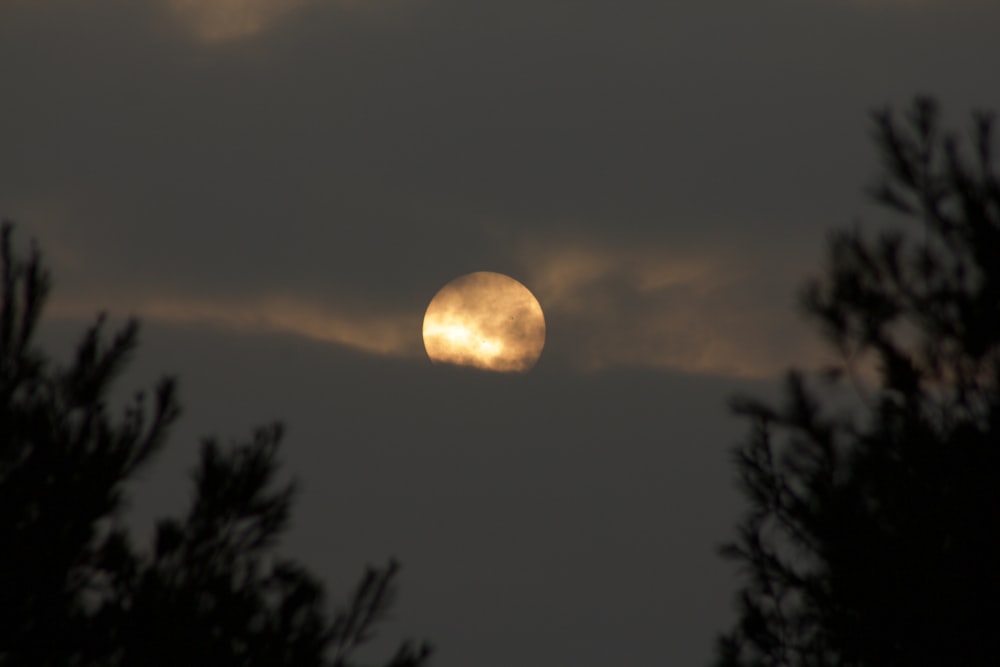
278,188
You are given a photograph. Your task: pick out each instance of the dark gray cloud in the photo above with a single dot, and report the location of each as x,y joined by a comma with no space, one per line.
280,197
357,156
350,144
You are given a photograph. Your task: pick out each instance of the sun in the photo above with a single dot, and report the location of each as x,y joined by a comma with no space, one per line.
486,320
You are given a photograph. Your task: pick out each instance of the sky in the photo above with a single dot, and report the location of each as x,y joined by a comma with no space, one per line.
277,188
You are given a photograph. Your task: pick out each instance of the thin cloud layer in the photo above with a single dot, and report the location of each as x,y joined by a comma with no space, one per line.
649,308
606,307
389,335
214,21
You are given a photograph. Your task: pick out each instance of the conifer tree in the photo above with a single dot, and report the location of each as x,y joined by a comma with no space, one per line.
75,589
872,537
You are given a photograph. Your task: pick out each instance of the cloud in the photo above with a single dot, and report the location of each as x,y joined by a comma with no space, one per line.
383,335
605,307
357,162
700,312
214,21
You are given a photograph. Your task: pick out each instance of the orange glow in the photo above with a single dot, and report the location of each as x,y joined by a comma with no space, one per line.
215,21
385,335
485,320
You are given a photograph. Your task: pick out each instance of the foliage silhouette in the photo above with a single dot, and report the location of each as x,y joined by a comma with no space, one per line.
210,591
873,536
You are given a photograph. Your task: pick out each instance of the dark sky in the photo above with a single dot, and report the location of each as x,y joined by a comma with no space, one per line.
278,188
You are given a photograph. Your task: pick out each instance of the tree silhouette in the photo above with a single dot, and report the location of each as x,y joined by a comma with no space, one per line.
873,534
75,590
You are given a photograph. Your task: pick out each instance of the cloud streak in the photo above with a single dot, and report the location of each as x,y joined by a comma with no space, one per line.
383,335
683,311
606,306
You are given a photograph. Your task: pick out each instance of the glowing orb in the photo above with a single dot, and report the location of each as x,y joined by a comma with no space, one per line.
486,320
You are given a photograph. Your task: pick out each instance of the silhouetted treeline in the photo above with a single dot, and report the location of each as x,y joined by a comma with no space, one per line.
74,587
872,538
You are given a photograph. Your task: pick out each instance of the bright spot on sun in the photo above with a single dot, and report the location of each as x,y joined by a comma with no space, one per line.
486,320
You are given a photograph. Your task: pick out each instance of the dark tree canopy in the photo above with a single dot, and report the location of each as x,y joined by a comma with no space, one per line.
873,535
75,590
